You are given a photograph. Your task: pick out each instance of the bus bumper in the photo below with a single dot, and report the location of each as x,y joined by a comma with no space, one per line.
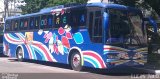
129,63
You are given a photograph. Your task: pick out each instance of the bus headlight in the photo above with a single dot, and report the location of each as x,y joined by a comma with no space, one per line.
123,56
118,56
112,56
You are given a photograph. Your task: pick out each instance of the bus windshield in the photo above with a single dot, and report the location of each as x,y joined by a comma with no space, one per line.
125,28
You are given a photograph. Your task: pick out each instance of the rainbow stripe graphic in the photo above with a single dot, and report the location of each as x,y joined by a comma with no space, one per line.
112,49
11,39
44,51
31,48
94,59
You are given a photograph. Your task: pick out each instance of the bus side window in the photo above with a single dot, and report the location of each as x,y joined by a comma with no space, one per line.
64,19
98,25
50,21
97,28
78,18
90,24
114,26
8,25
95,25
31,23
73,21
16,25
57,20
37,22
43,22
82,21
21,24
81,18
12,25
26,23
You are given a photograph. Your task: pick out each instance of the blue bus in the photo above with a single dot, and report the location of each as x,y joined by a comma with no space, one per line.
95,35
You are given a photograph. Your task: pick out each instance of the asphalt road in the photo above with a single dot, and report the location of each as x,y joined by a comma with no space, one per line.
10,68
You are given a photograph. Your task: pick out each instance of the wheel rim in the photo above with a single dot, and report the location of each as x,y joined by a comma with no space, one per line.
76,60
20,54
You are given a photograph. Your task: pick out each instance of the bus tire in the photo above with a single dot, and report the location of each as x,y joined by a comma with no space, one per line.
20,54
75,61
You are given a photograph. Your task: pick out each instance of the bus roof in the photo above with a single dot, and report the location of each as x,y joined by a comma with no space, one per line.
105,5
114,6
48,10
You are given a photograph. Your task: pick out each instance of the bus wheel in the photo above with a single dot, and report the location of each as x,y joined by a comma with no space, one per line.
76,61
19,54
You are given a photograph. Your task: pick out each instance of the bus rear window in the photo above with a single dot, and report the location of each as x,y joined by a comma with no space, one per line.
7,25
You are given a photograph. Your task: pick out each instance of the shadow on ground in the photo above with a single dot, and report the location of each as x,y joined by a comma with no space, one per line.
123,71
2,55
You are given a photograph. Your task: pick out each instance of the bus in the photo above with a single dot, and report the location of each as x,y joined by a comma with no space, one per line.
95,35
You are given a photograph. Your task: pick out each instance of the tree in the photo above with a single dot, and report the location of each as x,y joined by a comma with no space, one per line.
155,5
33,6
131,3
58,2
149,7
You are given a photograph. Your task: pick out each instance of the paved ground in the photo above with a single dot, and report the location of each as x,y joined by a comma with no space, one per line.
10,68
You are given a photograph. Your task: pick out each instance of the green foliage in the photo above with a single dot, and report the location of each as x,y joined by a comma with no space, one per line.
131,3
155,5
60,2
33,6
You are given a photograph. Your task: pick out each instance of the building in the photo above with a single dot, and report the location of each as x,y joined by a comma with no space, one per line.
1,12
10,8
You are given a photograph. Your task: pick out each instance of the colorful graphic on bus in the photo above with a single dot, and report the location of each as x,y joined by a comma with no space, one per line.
105,37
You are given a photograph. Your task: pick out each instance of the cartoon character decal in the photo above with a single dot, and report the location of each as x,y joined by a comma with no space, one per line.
54,42
59,43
